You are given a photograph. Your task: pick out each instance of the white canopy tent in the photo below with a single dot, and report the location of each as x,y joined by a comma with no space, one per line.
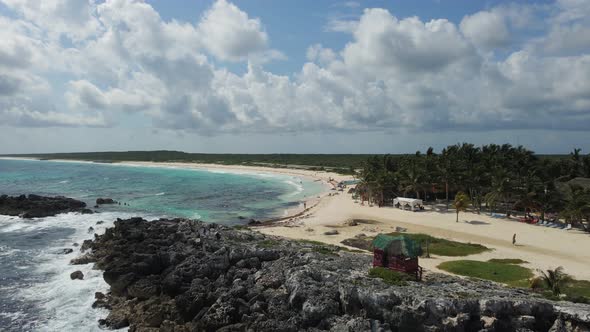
403,201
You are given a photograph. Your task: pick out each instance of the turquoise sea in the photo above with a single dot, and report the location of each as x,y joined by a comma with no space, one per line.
36,293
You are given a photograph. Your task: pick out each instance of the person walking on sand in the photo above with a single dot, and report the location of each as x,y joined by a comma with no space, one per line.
514,239
305,205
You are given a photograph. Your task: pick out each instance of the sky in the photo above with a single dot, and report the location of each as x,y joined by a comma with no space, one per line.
264,76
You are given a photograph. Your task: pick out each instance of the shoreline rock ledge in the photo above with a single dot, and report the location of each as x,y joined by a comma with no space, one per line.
181,275
35,206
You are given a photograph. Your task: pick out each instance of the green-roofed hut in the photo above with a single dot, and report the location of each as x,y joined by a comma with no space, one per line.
397,253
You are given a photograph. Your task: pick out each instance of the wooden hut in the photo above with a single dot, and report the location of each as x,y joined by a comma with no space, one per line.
397,253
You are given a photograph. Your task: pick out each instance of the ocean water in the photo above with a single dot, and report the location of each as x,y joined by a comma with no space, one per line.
36,292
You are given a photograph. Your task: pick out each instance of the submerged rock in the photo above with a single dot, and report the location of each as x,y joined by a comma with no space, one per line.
100,201
177,275
35,206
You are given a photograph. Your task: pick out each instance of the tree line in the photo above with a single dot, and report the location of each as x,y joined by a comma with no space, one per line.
493,177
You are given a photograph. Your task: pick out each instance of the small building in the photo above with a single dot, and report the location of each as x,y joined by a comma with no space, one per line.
398,253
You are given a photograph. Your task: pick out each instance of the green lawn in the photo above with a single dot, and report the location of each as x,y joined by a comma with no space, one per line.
576,288
507,260
436,246
500,272
443,247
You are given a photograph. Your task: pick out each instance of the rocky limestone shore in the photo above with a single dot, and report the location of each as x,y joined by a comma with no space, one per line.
35,206
182,275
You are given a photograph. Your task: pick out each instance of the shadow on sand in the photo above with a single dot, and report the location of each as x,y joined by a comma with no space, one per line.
477,222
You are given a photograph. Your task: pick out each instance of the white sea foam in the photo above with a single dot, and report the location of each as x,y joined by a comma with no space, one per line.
160,194
298,186
64,181
66,303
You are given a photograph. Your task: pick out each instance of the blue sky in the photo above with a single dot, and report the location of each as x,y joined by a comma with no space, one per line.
293,76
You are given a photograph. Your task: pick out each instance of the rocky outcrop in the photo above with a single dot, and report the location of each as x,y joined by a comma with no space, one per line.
105,201
77,275
35,206
182,275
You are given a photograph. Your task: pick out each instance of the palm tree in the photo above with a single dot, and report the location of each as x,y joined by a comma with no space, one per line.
500,191
447,168
577,207
461,203
554,279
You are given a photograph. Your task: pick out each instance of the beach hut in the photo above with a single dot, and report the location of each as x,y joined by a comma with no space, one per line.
398,253
402,202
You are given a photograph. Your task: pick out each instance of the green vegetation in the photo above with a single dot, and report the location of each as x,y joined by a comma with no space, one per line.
577,289
443,247
493,177
507,260
436,246
389,276
342,163
510,274
461,203
554,279
550,284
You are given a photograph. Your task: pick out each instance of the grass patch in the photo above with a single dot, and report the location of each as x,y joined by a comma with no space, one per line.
443,247
507,261
436,246
389,276
577,288
510,274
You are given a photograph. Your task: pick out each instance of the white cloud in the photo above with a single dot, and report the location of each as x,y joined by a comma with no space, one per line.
72,18
393,74
229,34
486,29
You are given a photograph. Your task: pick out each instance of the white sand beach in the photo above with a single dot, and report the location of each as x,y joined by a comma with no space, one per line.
542,247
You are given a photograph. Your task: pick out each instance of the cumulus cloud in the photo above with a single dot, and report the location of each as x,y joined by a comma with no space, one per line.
394,73
229,34
486,29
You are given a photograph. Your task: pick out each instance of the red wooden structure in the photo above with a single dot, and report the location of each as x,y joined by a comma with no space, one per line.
398,254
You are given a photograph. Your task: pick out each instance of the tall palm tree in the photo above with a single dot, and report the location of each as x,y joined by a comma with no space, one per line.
577,208
447,168
555,279
500,191
461,203
411,177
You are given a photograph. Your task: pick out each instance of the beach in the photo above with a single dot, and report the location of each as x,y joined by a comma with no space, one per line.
542,247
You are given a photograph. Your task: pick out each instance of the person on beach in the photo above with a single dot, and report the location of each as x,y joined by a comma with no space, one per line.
514,239
304,205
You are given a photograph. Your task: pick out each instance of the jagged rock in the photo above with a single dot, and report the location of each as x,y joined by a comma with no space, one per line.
162,279
35,206
332,232
77,275
65,251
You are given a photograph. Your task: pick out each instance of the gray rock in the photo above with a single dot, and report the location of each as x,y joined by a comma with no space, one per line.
162,279
77,275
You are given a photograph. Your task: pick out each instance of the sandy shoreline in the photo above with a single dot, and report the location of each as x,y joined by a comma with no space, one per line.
542,247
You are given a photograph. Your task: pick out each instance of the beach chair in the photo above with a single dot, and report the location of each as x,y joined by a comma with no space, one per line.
568,227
